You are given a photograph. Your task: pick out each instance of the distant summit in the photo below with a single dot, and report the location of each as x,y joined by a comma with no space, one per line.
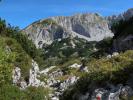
91,27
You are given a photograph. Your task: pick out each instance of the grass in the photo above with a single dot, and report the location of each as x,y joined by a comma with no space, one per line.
16,56
19,57
116,70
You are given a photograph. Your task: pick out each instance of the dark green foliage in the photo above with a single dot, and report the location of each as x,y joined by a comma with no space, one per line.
22,39
61,52
104,47
17,51
105,43
122,27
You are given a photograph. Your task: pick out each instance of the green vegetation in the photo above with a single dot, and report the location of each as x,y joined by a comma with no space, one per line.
40,93
9,92
22,39
122,27
48,22
61,52
17,51
102,71
12,55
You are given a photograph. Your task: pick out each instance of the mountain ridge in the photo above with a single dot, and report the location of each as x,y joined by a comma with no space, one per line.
68,68
91,27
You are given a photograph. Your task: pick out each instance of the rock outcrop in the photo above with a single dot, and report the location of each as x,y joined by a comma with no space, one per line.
91,27
34,75
17,78
16,75
124,42
51,82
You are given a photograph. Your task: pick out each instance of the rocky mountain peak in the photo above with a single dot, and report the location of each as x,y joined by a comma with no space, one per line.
91,27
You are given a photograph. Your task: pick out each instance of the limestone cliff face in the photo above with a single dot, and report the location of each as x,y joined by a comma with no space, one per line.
91,27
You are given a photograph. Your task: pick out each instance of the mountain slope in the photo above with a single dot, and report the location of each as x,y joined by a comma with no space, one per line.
74,63
91,27
16,52
108,78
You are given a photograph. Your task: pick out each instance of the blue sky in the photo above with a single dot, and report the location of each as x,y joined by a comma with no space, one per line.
23,12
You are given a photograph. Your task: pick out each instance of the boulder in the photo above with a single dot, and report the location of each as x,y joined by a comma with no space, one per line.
16,75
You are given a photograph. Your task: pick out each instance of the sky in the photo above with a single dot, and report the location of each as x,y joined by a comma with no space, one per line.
23,12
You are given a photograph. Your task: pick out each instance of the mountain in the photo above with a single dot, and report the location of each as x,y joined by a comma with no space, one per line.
68,58
115,82
91,27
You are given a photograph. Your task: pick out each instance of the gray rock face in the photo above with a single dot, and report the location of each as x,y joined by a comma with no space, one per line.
16,75
17,78
123,43
33,76
91,27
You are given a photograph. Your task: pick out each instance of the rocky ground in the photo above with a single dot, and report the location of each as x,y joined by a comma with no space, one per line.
58,85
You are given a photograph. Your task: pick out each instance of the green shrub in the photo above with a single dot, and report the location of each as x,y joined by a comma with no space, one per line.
40,93
10,92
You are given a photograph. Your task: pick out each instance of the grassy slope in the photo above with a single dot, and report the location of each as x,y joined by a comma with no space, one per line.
16,57
116,70
17,51
8,60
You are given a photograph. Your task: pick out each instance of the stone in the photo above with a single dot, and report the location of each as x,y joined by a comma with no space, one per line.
70,81
17,78
126,93
54,98
33,74
56,73
77,66
16,75
23,85
115,93
115,54
109,56
45,71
